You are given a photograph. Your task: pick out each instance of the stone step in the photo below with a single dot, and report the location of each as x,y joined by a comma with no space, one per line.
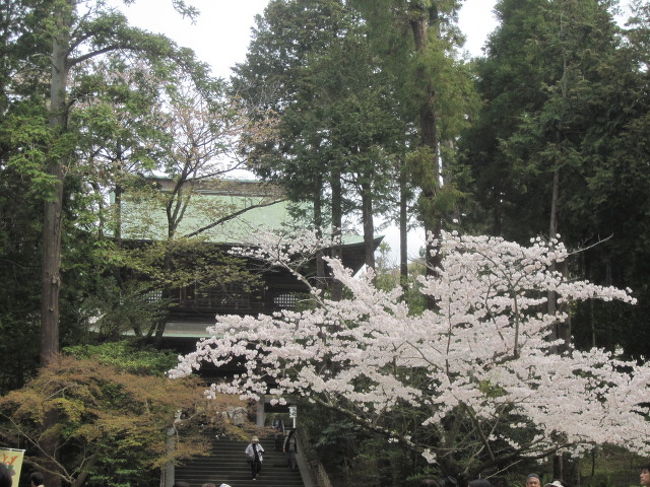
227,463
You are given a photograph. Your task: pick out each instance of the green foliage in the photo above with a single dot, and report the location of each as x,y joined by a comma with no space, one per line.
26,129
563,94
23,186
609,466
109,127
110,424
332,100
354,456
128,355
388,278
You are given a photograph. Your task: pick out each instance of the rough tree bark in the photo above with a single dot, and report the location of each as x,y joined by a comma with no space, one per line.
52,218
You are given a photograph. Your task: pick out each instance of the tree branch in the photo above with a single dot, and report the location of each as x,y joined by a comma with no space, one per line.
230,217
89,55
582,249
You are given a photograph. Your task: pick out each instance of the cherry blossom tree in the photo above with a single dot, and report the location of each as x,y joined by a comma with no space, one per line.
480,377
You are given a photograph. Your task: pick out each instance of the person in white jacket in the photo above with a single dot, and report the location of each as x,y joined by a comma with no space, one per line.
254,453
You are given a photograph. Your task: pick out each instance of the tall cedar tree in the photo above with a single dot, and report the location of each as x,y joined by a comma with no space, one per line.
562,97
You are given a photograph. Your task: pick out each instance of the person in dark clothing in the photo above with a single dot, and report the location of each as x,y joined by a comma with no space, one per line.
180,483
479,483
290,448
36,479
5,476
254,453
278,437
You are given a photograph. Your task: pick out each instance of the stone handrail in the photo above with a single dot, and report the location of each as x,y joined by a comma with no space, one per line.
315,469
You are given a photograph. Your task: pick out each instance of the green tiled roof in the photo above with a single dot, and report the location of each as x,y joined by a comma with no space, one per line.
144,218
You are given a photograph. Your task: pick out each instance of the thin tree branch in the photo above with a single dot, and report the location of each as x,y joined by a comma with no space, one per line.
582,249
230,217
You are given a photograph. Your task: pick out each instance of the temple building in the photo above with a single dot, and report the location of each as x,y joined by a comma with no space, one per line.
219,215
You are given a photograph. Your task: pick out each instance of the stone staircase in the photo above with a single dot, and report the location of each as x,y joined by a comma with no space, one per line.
227,464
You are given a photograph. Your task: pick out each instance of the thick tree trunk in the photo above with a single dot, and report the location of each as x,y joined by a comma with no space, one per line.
52,218
51,270
420,25
368,224
337,221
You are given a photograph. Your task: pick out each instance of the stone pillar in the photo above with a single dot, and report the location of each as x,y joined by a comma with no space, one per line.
167,472
261,417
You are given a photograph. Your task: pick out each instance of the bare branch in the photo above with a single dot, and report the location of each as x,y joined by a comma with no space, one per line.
230,217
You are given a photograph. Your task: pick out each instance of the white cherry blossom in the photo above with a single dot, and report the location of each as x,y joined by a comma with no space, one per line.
486,354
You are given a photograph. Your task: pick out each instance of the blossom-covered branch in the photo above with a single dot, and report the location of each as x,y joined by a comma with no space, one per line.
484,357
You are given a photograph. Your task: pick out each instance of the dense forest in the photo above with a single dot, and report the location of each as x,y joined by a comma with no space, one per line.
366,110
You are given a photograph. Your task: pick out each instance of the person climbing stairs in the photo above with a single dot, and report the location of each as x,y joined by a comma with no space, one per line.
227,464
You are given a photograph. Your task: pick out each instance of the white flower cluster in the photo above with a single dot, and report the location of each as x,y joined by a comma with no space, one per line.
487,347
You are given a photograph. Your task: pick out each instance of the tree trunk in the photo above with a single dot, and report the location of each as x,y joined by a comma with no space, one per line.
119,190
555,191
51,277
562,330
403,228
52,218
318,225
337,221
423,19
552,232
558,467
607,261
368,224
420,25
118,214
161,323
